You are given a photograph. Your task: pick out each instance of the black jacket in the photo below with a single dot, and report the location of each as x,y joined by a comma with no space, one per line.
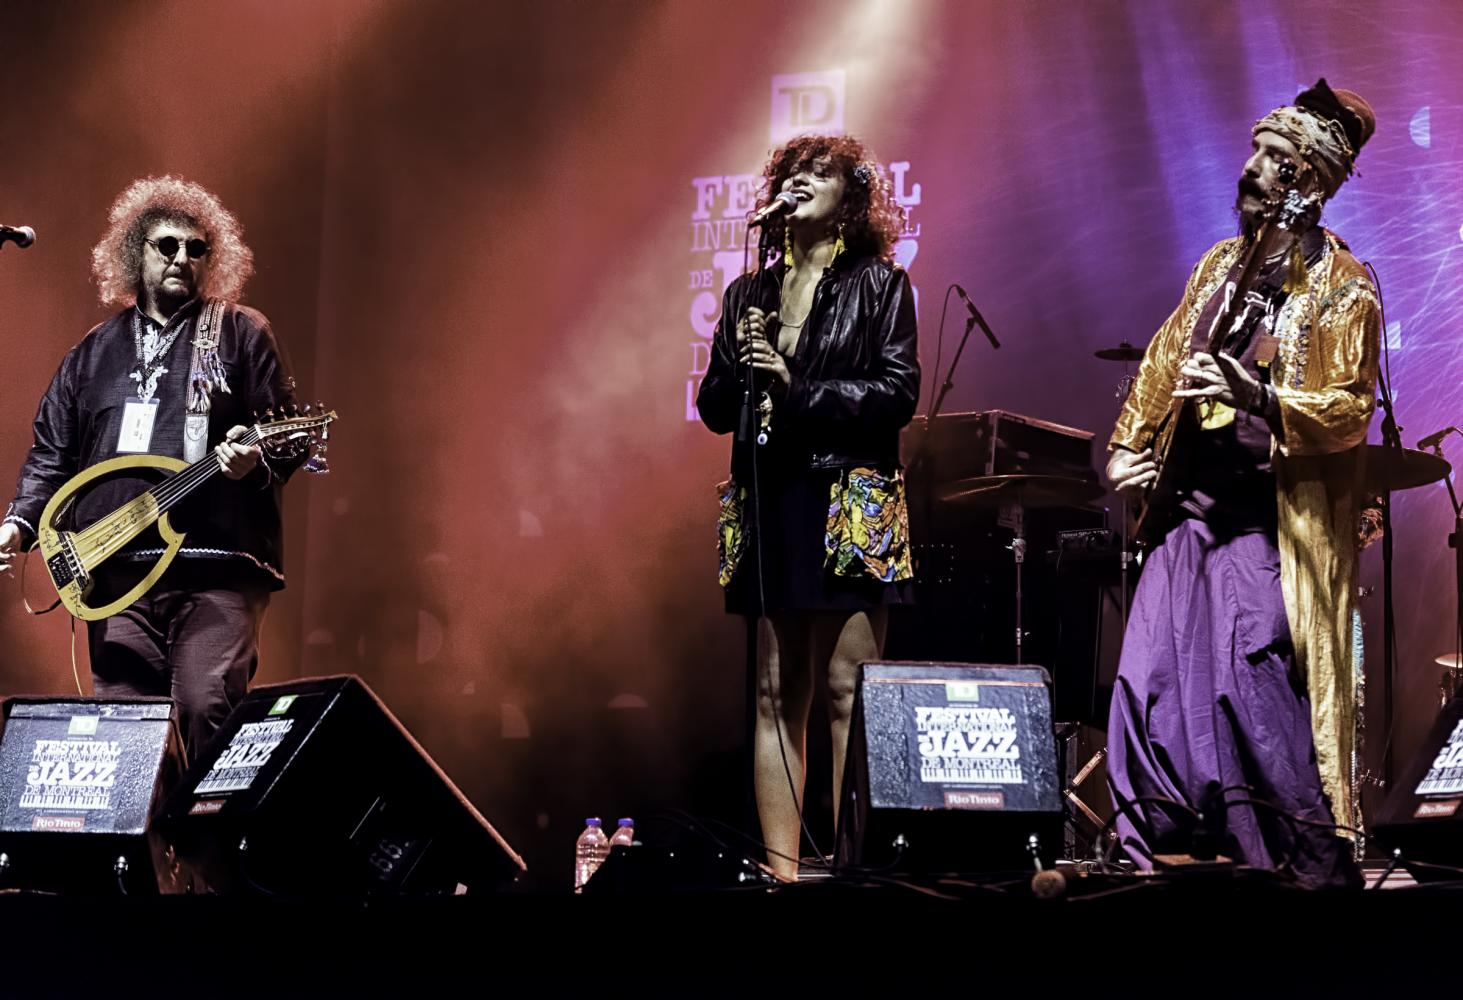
855,371
80,416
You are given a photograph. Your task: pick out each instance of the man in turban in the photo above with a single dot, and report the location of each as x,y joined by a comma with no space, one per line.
1232,720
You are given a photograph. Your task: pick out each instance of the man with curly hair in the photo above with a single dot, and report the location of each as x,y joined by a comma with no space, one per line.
180,369
1235,700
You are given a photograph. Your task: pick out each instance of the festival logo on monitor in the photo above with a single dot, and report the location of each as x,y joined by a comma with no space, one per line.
247,753
802,103
71,774
1445,777
968,744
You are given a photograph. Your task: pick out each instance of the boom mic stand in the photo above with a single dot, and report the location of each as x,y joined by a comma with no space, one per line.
1391,438
1455,542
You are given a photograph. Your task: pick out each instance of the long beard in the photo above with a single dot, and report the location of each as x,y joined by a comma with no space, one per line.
1247,224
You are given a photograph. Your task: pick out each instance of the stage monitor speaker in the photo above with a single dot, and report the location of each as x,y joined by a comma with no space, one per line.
1423,815
313,788
79,780
951,768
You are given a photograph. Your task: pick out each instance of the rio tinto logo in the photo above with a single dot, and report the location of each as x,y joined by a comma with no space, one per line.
807,102
801,103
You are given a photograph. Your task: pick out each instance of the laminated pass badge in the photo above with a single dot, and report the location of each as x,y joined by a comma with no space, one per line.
138,418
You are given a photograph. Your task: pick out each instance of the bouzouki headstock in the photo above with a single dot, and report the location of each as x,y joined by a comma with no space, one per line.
294,431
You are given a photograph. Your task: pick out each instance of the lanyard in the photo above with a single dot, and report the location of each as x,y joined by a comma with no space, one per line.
149,369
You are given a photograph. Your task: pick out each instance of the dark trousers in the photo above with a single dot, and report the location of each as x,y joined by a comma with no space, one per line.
193,638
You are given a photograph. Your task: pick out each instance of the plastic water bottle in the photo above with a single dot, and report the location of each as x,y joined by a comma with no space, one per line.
590,851
624,834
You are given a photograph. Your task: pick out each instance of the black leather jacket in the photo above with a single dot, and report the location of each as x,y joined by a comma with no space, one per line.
855,371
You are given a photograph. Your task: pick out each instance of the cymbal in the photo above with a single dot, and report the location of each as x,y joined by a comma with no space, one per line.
1123,352
1020,488
1405,469
1454,660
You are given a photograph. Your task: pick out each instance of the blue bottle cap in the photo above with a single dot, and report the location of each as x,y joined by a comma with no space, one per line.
592,821
626,822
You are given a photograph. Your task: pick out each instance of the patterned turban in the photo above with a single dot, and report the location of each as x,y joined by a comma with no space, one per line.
1328,127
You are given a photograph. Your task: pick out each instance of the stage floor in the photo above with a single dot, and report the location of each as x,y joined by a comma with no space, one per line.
1203,936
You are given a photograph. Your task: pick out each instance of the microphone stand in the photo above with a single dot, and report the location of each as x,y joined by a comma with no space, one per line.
744,435
749,387
918,462
1125,389
917,472
949,383
1455,542
1391,439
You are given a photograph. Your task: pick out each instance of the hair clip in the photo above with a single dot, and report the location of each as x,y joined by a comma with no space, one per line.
862,173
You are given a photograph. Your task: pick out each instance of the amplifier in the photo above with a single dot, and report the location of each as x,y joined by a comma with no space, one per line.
79,779
1423,814
313,788
951,767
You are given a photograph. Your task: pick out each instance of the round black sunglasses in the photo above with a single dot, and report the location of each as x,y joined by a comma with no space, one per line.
168,247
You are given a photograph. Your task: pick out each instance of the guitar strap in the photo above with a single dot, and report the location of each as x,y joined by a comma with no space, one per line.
205,375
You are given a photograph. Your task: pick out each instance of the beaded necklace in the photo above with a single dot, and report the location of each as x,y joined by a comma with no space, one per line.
150,362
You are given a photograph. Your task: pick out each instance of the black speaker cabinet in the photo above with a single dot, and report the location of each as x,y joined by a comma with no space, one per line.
314,788
951,767
79,780
1423,816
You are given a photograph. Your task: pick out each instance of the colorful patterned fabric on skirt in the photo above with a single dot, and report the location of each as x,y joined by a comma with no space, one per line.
868,526
731,534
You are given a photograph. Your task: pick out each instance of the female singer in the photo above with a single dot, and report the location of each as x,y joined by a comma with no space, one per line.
814,538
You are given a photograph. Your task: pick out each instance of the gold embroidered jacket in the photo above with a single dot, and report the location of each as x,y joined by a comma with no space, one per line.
1325,377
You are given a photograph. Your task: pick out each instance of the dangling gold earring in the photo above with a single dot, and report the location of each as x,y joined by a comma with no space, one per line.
786,249
838,247
1295,278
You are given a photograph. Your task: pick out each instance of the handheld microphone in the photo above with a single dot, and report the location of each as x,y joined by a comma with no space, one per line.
22,236
1050,883
975,315
786,201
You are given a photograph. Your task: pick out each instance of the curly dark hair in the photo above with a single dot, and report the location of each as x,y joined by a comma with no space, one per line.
871,219
116,261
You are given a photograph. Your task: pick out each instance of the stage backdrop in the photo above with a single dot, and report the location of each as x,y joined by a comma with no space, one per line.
494,237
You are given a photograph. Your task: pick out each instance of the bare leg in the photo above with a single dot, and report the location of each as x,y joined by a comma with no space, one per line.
843,644
784,699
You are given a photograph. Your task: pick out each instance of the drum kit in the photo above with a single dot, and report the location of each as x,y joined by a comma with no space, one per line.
1013,495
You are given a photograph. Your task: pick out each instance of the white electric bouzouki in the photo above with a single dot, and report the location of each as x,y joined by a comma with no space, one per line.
71,556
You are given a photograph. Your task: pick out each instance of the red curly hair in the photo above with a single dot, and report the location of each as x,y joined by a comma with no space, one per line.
116,262
870,217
